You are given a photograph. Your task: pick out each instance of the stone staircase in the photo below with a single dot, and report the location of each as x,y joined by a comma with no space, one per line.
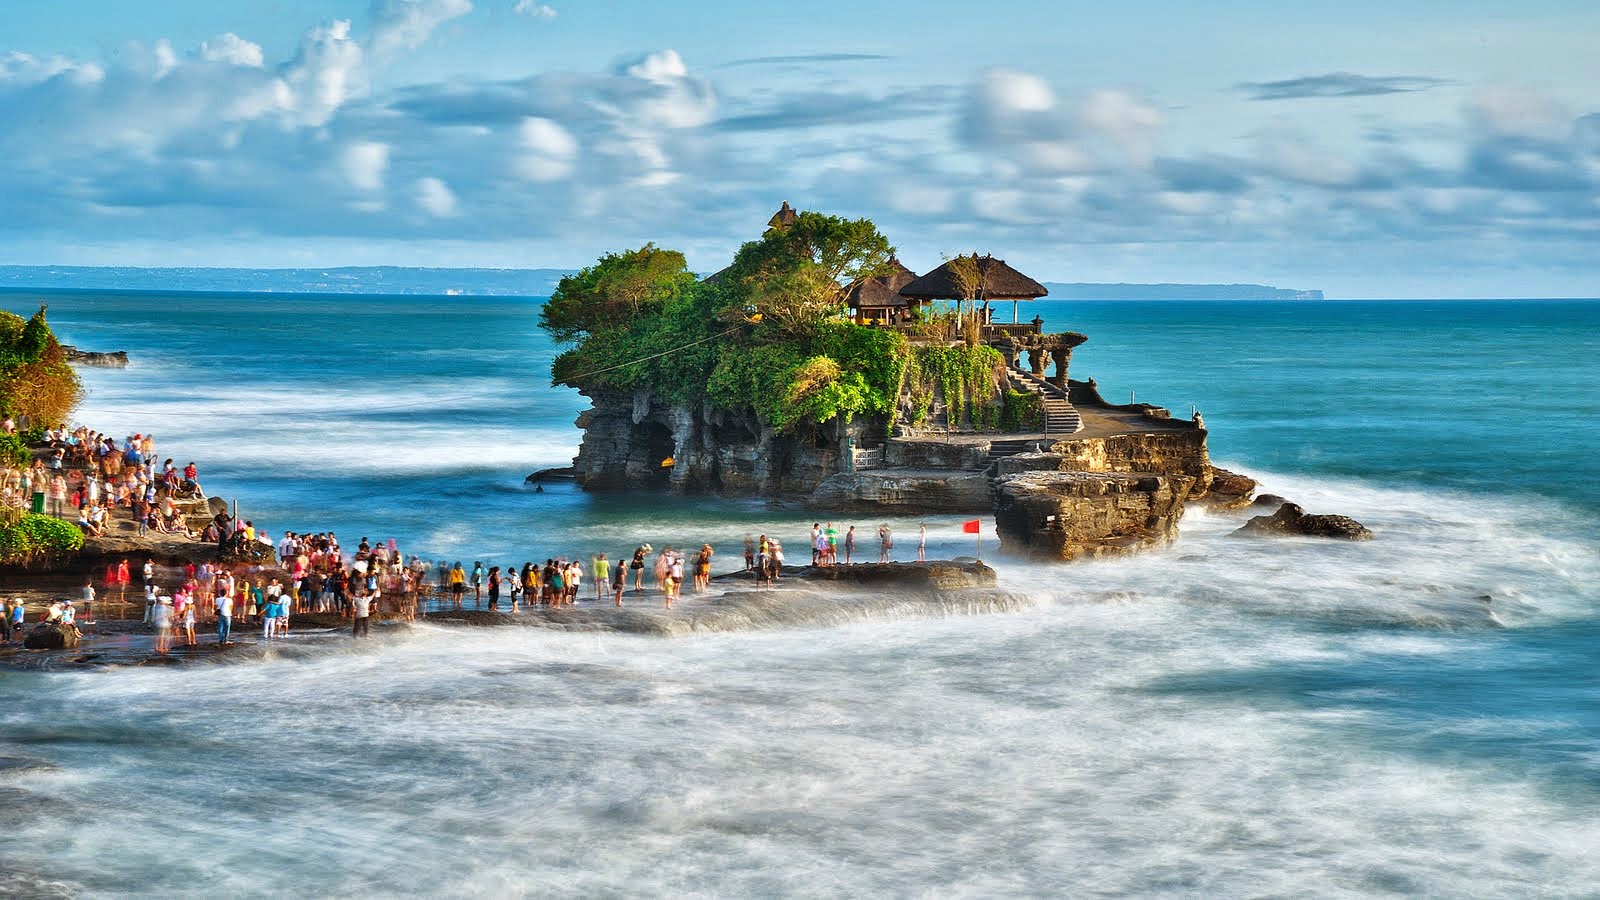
1060,416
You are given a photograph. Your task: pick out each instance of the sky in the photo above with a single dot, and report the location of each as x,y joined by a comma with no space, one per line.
1369,149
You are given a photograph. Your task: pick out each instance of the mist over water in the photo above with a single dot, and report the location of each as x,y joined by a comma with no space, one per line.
1416,714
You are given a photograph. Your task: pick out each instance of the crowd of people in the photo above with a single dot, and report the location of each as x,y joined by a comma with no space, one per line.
96,475
93,474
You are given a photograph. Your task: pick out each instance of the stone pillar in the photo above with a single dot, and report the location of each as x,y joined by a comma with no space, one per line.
1060,358
1036,361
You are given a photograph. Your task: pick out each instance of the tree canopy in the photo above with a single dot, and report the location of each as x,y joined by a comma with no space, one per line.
770,333
35,378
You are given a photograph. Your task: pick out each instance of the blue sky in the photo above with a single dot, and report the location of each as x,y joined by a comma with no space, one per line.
1369,149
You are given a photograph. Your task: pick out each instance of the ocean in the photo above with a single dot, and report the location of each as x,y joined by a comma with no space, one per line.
1419,714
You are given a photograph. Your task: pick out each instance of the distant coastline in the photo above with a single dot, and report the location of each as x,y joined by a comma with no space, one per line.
481,282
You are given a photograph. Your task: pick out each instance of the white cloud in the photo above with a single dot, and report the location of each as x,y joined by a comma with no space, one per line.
232,49
436,198
406,24
552,150
326,73
535,9
166,59
364,164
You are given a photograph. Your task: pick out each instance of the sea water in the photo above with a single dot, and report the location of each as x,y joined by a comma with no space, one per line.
1416,714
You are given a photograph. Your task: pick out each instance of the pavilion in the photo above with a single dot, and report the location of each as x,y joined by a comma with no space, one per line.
996,281
878,301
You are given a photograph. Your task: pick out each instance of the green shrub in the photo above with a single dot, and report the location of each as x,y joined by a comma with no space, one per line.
29,539
13,451
1021,412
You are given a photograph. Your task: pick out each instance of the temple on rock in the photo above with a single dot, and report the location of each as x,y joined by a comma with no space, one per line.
973,414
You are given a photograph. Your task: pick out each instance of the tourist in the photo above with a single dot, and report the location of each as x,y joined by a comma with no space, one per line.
619,581
749,552
922,542
663,568
702,569
885,542
601,568
458,581
163,622
849,545
362,604
18,612
122,580
816,543
188,621
477,584
832,536
269,616
572,580
224,607
494,587
514,584
637,566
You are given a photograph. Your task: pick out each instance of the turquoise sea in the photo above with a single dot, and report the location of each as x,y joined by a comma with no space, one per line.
1417,714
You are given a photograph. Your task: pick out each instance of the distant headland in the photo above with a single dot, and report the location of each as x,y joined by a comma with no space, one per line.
484,282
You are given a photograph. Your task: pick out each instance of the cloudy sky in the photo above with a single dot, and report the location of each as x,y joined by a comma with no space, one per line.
1367,148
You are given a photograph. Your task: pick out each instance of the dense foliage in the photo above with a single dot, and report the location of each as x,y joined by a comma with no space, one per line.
28,538
14,451
770,333
35,379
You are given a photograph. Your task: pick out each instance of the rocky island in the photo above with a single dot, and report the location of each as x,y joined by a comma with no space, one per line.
817,367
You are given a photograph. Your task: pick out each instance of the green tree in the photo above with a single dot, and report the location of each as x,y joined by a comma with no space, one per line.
619,289
796,277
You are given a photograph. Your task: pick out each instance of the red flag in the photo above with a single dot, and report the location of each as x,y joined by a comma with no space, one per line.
972,527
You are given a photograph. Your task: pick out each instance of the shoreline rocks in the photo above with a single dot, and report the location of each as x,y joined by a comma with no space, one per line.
115,359
1290,519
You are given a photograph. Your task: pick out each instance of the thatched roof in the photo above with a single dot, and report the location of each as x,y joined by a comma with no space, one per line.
883,291
783,218
1000,282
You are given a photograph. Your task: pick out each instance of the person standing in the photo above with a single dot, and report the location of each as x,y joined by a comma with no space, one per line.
619,580
749,551
816,543
849,544
163,621
477,584
885,542
922,542
494,588
602,576
362,602
224,604
458,582
5,621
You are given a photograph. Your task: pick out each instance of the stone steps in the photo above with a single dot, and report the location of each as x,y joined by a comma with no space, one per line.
1060,416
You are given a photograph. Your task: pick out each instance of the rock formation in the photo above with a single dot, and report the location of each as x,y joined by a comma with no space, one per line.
1068,515
1229,490
51,636
115,359
1291,519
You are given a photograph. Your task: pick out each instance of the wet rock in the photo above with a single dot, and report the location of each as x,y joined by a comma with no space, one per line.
1290,519
564,473
1229,490
905,491
51,636
1267,502
115,359
1068,515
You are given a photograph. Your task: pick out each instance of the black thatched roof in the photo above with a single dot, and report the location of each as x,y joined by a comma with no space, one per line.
883,291
999,282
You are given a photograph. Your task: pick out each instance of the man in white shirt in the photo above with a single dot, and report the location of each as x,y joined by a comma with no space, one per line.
362,602
224,617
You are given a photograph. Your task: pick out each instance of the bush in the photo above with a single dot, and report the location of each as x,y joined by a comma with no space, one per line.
28,539
1022,412
13,451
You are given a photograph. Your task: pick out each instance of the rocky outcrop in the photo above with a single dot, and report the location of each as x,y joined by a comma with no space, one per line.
1229,490
637,441
115,359
1169,451
905,491
1290,519
51,636
933,575
1070,515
